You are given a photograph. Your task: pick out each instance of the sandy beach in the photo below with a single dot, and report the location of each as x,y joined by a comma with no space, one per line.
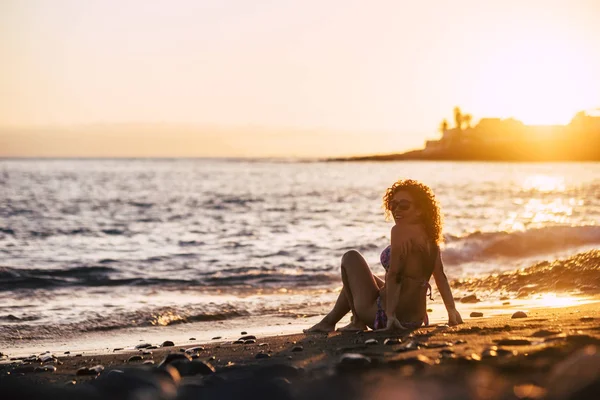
549,353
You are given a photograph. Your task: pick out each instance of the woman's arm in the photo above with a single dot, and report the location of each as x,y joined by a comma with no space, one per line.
399,251
443,286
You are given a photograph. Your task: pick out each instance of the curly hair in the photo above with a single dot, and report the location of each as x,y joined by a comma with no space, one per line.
424,199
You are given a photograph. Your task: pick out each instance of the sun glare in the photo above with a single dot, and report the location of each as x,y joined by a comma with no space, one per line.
537,80
555,301
544,183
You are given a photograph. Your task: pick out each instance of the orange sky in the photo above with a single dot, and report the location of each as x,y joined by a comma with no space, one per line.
283,78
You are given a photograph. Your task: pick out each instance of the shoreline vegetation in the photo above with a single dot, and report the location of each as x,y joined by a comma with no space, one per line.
496,139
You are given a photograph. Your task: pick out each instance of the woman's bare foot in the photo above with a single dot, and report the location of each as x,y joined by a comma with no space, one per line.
323,326
355,325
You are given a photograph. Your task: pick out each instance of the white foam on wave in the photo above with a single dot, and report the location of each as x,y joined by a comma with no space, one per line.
550,240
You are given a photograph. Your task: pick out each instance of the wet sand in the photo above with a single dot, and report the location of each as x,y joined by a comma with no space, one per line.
550,353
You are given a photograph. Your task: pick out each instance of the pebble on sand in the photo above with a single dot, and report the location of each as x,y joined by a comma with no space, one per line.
470,299
135,358
513,342
476,314
216,337
167,343
519,314
142,346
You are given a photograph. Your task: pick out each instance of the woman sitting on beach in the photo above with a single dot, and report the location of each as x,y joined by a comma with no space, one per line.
413,256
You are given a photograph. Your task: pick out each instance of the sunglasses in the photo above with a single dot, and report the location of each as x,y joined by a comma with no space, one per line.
402,205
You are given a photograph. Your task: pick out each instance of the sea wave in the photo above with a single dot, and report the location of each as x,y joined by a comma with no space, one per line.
17,328
481,246
579,273
284,275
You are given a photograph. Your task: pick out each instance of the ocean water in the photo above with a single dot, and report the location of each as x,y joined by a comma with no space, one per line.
107,245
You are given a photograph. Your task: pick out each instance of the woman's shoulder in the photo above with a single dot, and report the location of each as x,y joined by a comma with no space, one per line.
408,232
409,237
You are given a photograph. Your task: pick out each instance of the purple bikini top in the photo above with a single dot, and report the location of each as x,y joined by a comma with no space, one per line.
385,257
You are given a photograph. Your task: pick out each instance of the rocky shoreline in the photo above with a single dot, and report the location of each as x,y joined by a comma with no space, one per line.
547,353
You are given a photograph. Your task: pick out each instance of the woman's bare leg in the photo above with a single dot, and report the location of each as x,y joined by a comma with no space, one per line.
358,295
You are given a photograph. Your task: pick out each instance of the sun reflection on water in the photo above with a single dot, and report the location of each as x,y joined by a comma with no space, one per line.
545,183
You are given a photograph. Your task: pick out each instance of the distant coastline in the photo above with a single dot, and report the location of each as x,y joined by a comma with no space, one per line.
496,139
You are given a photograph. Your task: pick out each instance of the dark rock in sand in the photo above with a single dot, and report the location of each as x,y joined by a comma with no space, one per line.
391,341
67,352
250,341
297,348
194,349
476,314
506,303
505,352
48,358
262,355
192,338
173,357
408,346
46,368
238,342
353,361
153,347
244,333
134,359
586,319
142,346
519,314
118,349
198,367
582,340
489,353
544,333
167,343
216,337
472,298
84,371
513,342
248,337
436,345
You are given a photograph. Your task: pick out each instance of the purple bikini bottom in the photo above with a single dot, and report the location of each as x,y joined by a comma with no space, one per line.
381,318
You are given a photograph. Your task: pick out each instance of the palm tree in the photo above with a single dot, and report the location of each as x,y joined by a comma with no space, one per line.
458,118
467,119
444,126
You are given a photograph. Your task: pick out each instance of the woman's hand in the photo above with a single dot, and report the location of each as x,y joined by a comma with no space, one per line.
393,325
454,317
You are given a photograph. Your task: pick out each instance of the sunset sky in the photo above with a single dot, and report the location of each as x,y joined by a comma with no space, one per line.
282,77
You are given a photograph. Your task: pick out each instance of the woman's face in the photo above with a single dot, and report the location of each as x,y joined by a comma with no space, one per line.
404,209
